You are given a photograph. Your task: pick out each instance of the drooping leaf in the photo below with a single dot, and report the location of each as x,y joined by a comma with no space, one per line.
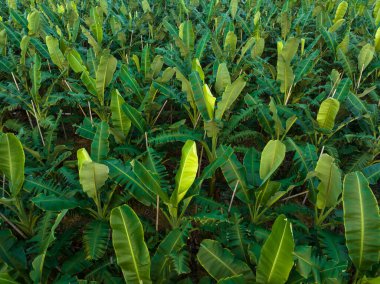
220,263
54,203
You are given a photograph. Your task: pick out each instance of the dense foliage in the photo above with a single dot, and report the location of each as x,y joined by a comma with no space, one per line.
189,141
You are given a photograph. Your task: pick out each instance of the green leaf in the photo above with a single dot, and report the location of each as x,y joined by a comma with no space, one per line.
284,74
361,221
92,176
343,89
128,241
327,113
346,63
96,23
35,76
220,263
223,78
10,253
83,157
135,117
95,239
202,43
36,273
234,4
124,176
230,43
252,166
204,100
173,242
271,158
54,203
89,82
6,279
290,49
330,186
12,161
365,56
75,61
234,173
54,51
230,94
148,180
119,119
129,81
186,173
186,33
104,74
34,22
372,173
145,61
100,144
276,259
340,11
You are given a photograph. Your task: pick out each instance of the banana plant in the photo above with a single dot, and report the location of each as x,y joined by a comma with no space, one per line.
274,265
251,181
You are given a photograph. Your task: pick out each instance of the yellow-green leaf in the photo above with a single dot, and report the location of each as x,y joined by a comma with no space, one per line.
340,11
361,221
271,158
104,74
223,78
75,61
327,113
365,56
54,51
12,161
330,186
230,94
119,119
186,173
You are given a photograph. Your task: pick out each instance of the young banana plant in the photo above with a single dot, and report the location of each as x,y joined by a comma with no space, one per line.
146,177
251,181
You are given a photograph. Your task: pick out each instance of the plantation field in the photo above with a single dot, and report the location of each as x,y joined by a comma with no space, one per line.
189,141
